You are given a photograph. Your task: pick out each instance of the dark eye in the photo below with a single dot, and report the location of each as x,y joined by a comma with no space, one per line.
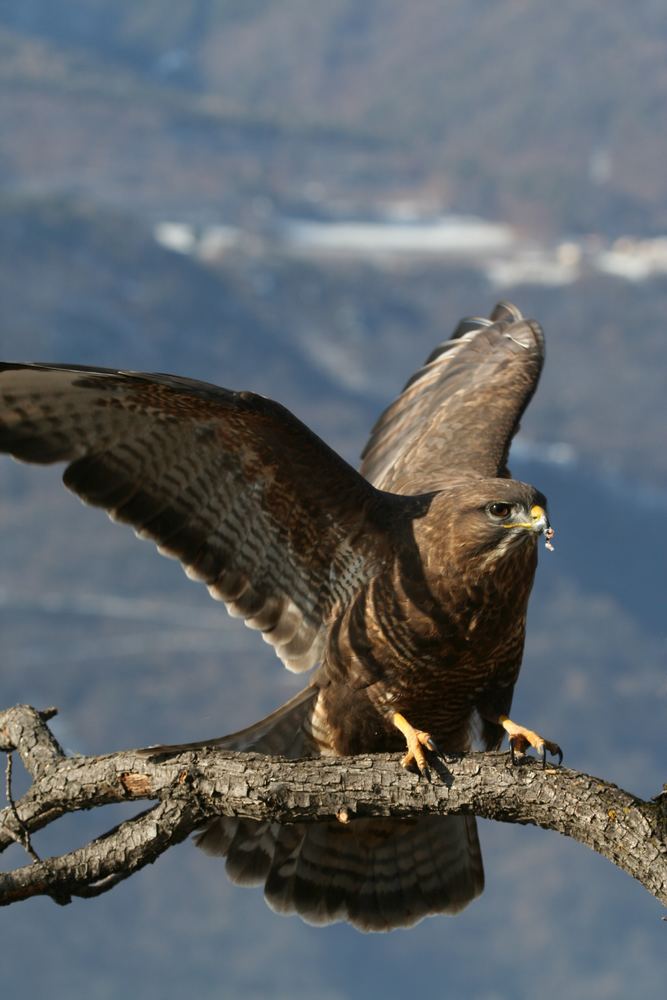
500,510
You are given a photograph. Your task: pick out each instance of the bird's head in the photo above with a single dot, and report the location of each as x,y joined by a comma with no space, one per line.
485,521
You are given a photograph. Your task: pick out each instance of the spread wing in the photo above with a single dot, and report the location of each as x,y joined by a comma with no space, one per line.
460,411
252,502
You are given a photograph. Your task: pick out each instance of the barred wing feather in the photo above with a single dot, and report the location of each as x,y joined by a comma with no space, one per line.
253,503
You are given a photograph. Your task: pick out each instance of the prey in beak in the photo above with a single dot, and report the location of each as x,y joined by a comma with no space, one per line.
538,523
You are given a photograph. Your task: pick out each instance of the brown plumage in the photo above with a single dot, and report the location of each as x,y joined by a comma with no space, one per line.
407,583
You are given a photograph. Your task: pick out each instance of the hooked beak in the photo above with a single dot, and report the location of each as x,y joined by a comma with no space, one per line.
538,524
539,521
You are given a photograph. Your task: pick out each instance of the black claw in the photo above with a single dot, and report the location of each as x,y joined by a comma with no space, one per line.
554,750
432,745
541,753
426,774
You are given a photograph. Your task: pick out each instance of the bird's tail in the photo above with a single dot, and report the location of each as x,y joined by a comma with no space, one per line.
374,873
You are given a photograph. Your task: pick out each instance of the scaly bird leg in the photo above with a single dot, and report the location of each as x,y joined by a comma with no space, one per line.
521,738
416,741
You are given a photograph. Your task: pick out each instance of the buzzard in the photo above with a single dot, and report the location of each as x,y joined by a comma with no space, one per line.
406,583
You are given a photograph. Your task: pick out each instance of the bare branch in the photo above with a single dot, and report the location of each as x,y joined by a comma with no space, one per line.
192,787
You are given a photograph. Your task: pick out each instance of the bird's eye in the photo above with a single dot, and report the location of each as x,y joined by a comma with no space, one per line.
500,510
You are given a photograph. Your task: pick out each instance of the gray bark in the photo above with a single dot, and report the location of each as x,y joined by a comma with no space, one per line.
189,788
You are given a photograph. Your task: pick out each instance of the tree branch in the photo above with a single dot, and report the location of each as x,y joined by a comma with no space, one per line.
192,787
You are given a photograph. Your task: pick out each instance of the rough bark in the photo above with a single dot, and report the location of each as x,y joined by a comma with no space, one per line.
191,787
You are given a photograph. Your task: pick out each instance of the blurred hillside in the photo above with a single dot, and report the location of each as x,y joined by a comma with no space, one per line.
543,114
127,128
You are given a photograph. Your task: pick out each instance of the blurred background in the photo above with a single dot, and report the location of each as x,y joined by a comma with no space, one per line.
303,199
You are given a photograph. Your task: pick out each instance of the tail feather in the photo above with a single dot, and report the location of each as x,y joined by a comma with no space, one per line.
375,873
378,874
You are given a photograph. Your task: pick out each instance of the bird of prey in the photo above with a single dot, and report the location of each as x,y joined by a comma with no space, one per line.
406,584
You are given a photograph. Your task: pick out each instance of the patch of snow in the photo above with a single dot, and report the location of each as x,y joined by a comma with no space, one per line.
634,259
176,236
451,235
537,266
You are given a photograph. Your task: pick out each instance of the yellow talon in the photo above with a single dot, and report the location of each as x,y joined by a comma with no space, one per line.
416,740
521,738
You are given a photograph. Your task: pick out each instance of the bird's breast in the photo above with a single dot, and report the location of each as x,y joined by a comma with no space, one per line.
432,656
